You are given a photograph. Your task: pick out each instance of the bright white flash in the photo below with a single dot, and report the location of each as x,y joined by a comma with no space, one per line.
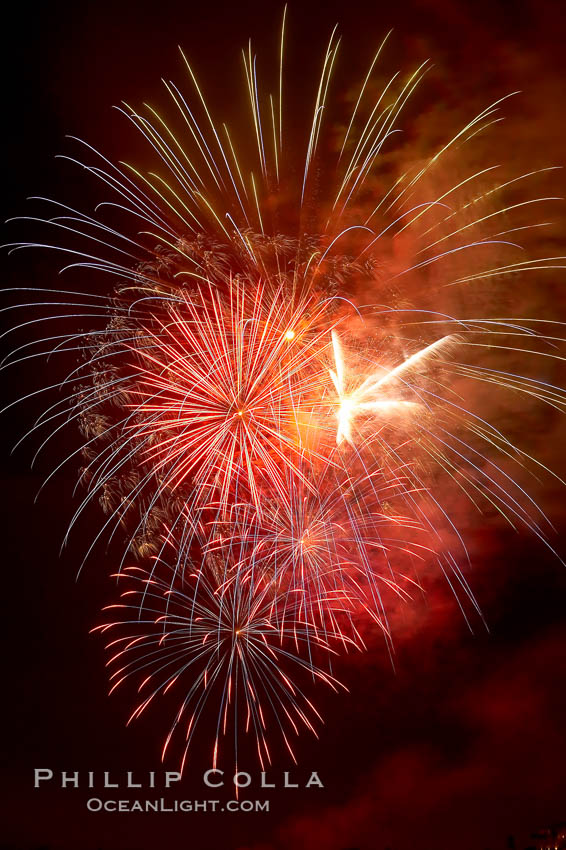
367,397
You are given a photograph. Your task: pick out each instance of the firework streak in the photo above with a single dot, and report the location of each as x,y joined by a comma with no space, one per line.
285,394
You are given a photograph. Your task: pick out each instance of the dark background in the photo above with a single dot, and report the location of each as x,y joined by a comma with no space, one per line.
464,744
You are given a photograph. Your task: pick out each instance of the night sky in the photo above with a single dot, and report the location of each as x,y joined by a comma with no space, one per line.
464,743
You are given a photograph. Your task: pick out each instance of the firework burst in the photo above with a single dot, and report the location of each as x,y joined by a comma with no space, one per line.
231,647
278,397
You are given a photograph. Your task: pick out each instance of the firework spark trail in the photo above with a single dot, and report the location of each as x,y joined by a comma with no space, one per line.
277,418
